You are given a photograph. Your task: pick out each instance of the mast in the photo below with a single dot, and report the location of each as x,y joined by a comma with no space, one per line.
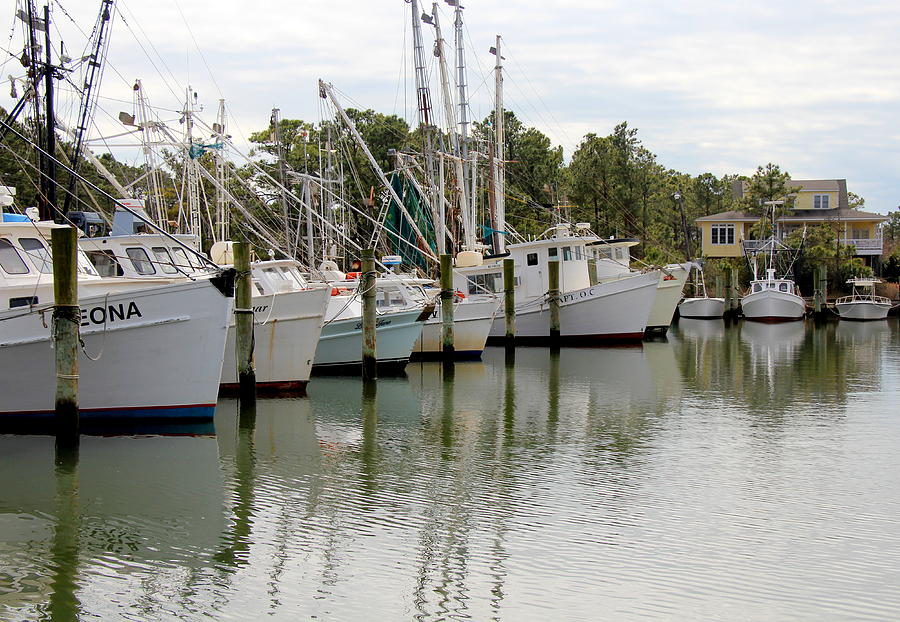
191,164
282,178
222,211
461,189
87,99
498,164
462,88
49,76
146,125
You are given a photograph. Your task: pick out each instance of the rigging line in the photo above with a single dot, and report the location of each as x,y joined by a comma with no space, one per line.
96,188
540,99
144,49
199,51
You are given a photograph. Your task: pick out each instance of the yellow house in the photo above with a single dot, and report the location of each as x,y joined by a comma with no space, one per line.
816,202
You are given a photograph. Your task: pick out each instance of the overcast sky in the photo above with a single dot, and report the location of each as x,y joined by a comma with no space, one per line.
716,87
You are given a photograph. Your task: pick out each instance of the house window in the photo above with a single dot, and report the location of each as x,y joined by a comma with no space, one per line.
723,234
820,201
860,234
36,250
140,260
531,259
10,260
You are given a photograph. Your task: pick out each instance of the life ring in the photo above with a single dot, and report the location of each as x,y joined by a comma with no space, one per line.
352,276
458,295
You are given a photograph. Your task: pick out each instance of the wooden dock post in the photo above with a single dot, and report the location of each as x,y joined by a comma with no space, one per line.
66,328
820,295
448,347
509,300
718,286
367,287
553,274
243,323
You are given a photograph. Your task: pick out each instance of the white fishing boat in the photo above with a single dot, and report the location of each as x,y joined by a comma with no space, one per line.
288,311
701,306
862,303
148,352
773,300
612,260
615,310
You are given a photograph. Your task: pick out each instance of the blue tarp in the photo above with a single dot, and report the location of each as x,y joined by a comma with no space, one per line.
15,217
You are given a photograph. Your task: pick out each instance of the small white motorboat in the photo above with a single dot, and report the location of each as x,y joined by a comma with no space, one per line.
701,306
862,303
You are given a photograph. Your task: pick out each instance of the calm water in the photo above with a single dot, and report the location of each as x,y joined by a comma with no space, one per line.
741,473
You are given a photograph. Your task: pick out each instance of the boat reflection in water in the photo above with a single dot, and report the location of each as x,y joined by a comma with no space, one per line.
131,518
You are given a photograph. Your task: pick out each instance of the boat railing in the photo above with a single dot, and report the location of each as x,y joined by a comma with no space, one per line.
863,298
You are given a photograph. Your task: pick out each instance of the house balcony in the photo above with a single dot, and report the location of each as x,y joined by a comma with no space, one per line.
873,246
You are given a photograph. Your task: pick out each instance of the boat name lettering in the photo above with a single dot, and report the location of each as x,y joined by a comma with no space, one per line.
378,324
585,293
260,309
109,313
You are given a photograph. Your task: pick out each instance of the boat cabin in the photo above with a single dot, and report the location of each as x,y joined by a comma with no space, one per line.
531,260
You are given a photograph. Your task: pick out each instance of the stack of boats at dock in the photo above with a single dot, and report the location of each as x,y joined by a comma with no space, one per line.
157,324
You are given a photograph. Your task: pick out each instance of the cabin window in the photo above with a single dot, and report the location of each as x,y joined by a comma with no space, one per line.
105,263
480,283
164,259
23,301
757,287
140,260
553,252
38,254
10,260
771,285
723,234
181,257
567,253
389,297
292,275
259,288
531,259
820,201
783,287
274,272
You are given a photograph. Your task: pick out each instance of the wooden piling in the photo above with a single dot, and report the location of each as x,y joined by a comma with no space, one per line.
243,323
553,274
367,286
447,338
509,300
66,328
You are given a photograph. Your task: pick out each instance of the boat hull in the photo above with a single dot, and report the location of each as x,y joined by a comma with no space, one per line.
863,310
285,335
702,308
612,311
158,352
472,321
773,306
340,344
668,293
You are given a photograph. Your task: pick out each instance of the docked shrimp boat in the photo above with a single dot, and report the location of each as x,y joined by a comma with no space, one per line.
862,303
288,311
149,352
397,327
617,310
613,261
773,300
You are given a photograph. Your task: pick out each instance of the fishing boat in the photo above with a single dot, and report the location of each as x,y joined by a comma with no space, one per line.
151,352
288,311
701,306
617,310
862,303
772,299
612,260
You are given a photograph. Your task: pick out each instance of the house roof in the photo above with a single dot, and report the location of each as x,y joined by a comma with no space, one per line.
806,185
820,215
